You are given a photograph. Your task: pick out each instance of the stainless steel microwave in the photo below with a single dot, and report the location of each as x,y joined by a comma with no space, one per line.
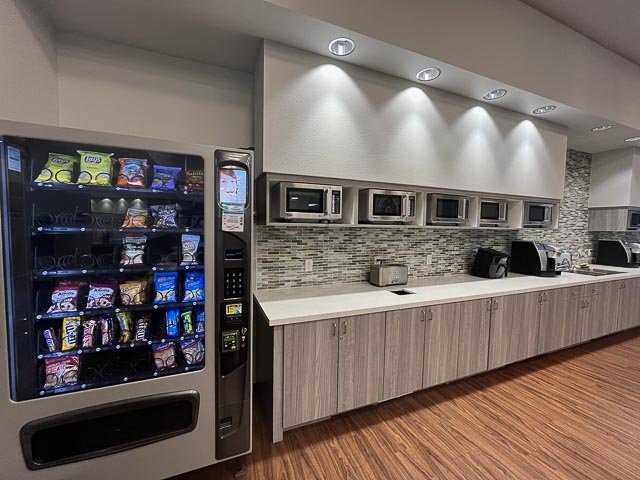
538,215
633,220
383,206
307,202
494,211
448,209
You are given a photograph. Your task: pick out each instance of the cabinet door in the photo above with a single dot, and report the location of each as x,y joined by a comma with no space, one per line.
601,310
514,328
403,352
310,379
473,346
560,319
361,360
442,331
629,304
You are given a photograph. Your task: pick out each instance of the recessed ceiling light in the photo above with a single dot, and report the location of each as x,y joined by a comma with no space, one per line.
495,94
428,74
601,128
632,139
544,109
342,46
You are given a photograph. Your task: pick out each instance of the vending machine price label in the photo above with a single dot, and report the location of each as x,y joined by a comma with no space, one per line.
13,156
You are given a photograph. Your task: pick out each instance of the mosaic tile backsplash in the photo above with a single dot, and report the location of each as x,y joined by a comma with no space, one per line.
344,255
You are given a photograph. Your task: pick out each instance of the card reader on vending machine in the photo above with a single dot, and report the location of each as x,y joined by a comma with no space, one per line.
233,255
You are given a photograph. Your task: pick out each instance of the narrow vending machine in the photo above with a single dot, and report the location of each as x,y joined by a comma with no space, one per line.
124,304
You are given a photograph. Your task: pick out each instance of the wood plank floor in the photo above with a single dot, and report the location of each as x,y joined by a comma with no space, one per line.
574,414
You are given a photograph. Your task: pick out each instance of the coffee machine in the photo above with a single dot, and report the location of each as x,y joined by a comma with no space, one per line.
490,263
533,258
618,253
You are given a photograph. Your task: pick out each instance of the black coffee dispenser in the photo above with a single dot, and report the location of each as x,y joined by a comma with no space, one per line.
490,263
532,258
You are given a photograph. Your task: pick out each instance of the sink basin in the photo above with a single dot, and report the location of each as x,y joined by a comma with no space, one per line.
596,272
404,291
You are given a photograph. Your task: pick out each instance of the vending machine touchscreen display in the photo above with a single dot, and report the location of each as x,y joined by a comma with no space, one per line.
233,188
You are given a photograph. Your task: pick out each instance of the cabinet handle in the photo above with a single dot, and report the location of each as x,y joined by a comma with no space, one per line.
623,285
335,330
546,296
595,290
344,328
423,315
489,305
496,304
540,298
430,317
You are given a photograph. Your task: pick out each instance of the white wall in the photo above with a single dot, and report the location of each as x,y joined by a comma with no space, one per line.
28,75
505,40
114,88
615,178
328,118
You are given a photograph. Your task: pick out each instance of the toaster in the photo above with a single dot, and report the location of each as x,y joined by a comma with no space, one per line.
384,274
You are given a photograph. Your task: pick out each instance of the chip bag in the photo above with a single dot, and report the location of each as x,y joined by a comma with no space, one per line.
164,355
95,168
190,249
192,351
58,169
193,287
135,218
194,180
165,283
133,292
165,178
133,172
164,216
65,297
61,371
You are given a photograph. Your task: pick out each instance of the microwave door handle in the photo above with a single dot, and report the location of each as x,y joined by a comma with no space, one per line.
405,207
327,207
463,216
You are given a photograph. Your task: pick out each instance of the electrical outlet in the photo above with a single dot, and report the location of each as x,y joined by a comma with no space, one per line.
429,259
308,265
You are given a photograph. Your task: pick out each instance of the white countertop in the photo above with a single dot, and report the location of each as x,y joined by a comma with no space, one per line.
296,305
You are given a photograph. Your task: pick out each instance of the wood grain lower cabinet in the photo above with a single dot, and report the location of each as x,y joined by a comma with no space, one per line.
514,328
403,352
628,304
473,345
561,319
442,332
361,360
600,310
310,377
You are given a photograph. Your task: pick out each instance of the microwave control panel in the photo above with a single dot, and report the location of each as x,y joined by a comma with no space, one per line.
335,202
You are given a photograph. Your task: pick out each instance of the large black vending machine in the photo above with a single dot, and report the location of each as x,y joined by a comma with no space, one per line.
125,315
233,262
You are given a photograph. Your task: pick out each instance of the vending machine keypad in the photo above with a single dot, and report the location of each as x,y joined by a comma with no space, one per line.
233,283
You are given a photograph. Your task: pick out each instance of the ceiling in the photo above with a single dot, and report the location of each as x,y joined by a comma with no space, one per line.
229,34
203,31
614,24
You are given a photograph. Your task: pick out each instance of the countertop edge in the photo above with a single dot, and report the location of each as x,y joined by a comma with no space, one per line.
623,275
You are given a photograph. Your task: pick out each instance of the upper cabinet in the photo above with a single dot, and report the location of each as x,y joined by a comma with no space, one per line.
325,118
614,195
615,179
